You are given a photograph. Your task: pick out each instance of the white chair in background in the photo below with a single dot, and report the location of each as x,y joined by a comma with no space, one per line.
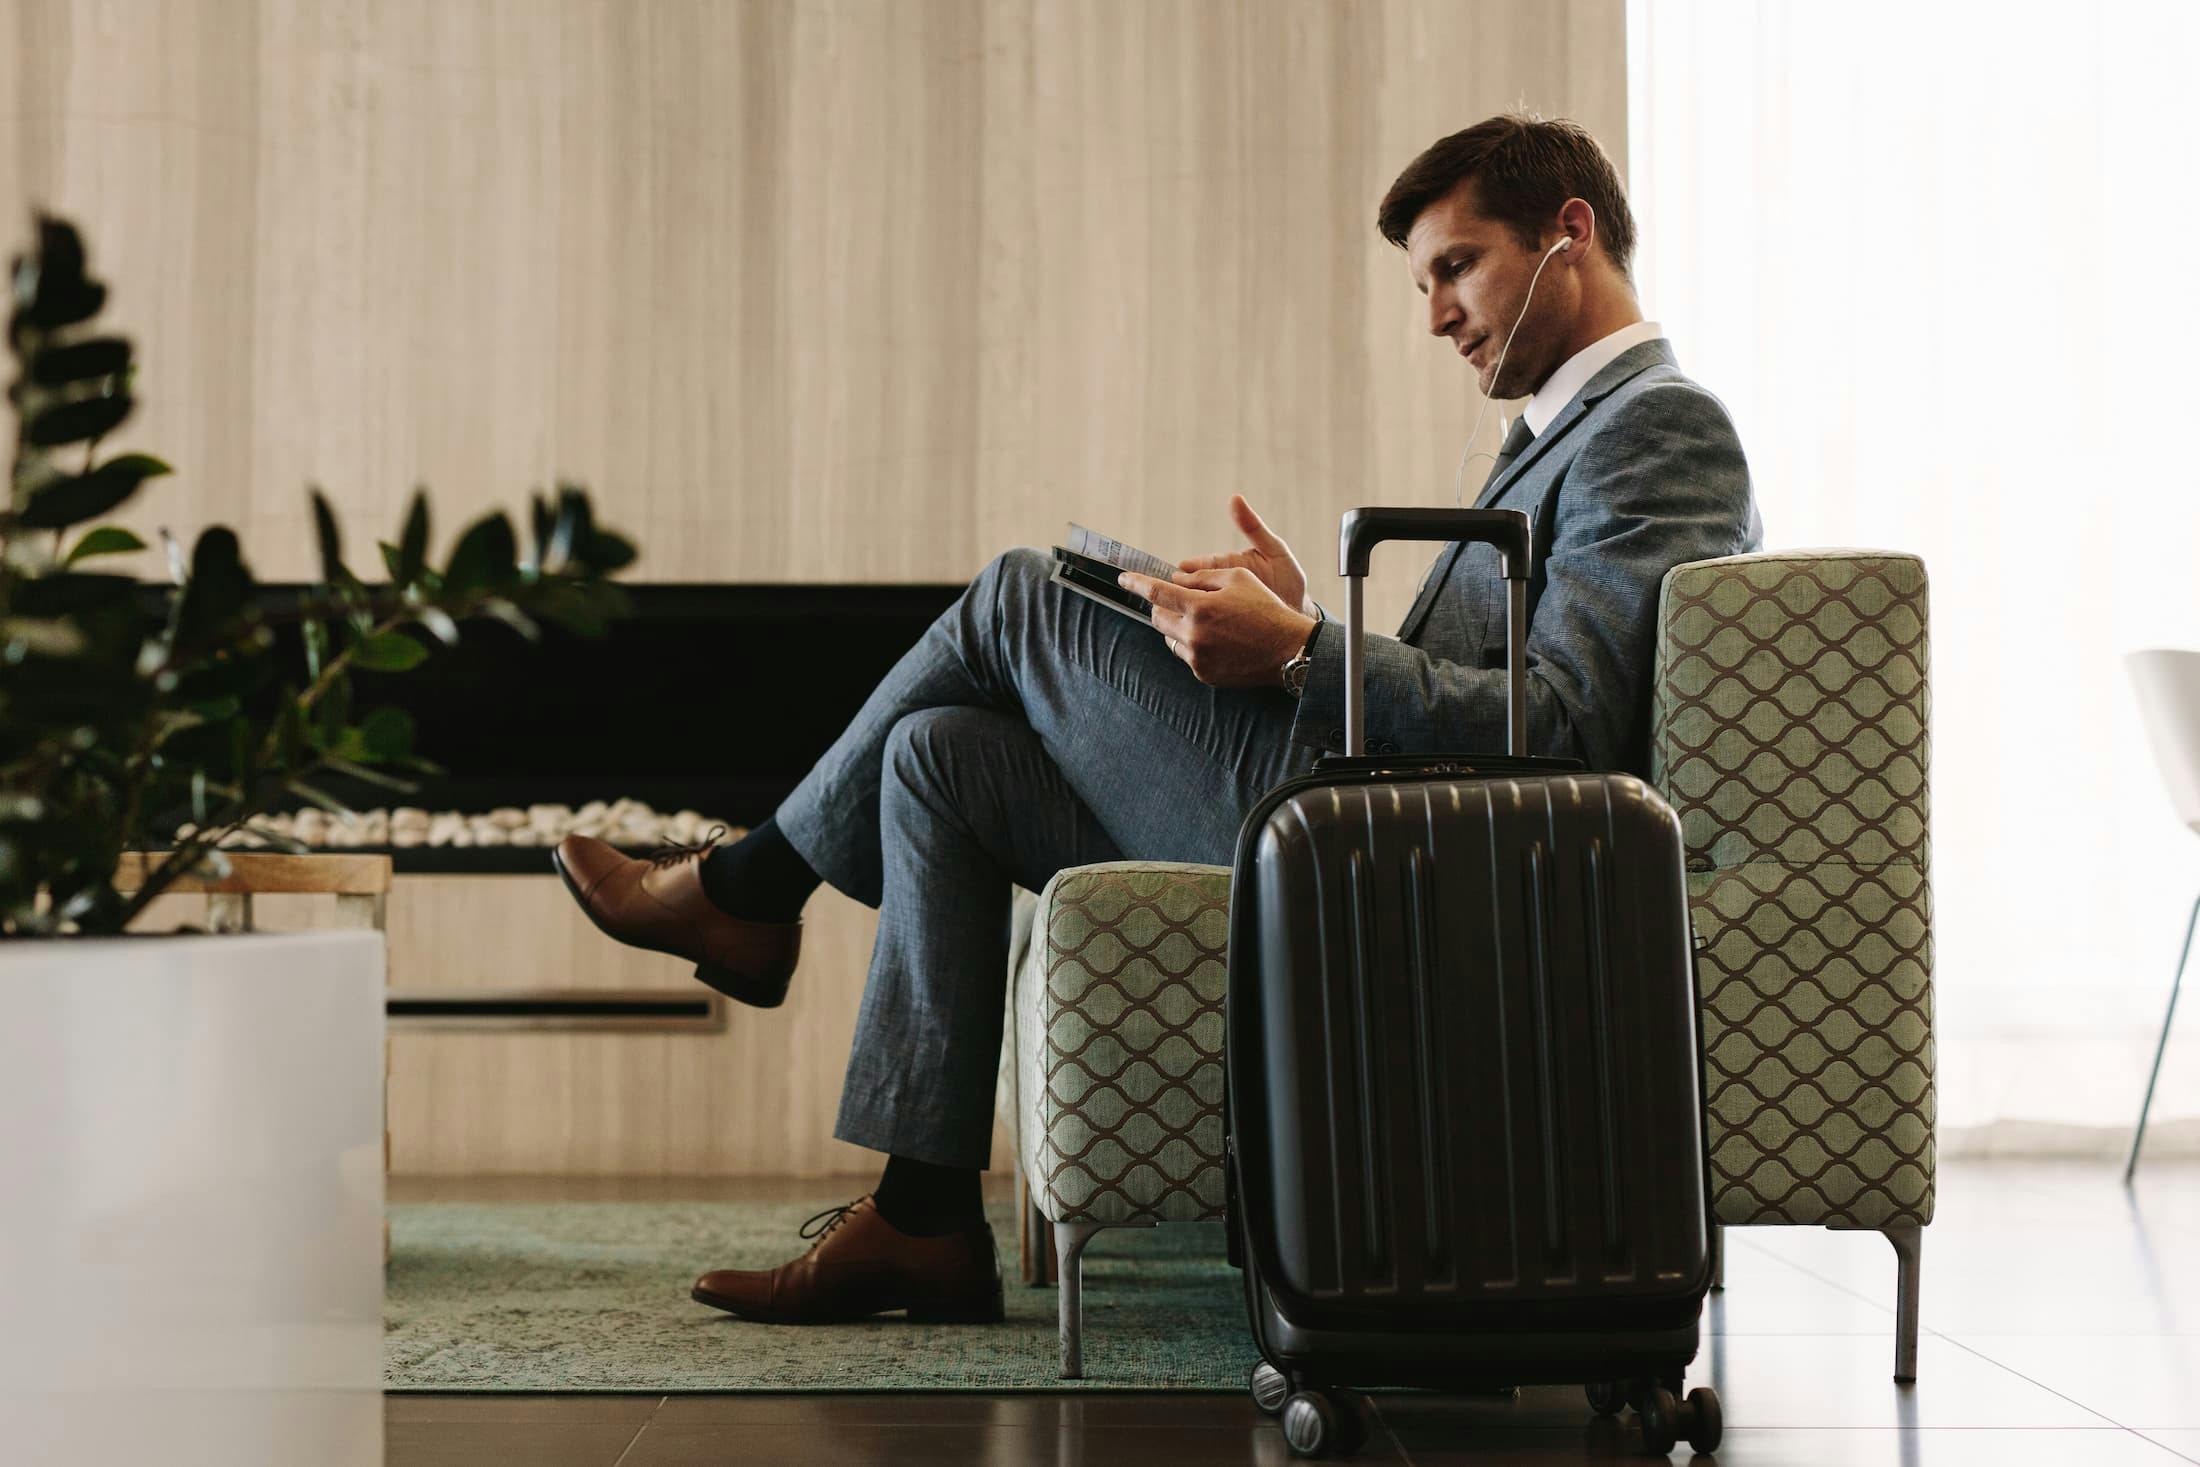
2168,685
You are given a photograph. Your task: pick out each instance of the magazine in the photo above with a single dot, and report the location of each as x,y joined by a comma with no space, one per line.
1090,563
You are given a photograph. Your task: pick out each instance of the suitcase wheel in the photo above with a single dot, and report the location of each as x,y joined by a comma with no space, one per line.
1660,1421
1269,1387
1324,1423
1700,1419
1665,1421
1606,1397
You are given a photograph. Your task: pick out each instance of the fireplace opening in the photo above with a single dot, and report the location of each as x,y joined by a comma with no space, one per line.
710,701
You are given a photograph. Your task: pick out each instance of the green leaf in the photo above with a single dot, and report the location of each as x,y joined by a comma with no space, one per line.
543,519
412,545
59,302
331,540
60,250
81,361
606,552
50,286
217,591
79,421
570,608
241,677
439,621
387,733
389,652
486,555
584,608
519,621
332,714
106,540
576,525
88,496
291,734
315,634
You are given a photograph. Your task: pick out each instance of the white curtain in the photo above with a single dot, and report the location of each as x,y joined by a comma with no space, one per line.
1940,262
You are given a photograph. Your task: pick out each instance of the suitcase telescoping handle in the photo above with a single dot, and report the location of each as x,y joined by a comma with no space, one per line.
1507,529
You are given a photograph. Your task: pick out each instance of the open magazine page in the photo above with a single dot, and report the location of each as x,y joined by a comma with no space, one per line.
1090,562
1094,546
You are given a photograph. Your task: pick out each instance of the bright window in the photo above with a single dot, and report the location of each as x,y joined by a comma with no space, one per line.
1939,261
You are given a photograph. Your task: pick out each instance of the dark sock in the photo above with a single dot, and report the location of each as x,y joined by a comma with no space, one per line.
759,878
926,1201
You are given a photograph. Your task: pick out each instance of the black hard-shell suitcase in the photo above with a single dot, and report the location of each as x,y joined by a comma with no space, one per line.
1466,1140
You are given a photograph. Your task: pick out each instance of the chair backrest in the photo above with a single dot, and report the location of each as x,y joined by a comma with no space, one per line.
1790,731
2168,684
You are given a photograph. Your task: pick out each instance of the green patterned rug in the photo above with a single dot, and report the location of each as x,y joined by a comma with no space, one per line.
593,1296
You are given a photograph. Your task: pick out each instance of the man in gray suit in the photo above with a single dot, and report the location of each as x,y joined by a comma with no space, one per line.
1032,730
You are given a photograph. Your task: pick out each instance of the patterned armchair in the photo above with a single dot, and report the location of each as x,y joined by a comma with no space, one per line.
1789,729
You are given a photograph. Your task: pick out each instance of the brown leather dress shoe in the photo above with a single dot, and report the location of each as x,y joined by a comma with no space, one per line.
862,1265
658,903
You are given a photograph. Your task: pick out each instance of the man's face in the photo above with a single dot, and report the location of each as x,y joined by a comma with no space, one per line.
1475,273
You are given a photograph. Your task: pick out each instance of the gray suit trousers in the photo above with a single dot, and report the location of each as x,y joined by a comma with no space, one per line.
1029,730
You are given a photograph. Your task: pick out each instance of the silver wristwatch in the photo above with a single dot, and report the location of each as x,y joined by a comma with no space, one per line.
1294,671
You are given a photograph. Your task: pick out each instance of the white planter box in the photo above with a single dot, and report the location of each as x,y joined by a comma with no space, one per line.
191,1153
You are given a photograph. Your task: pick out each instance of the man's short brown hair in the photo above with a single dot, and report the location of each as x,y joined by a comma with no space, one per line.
1524,170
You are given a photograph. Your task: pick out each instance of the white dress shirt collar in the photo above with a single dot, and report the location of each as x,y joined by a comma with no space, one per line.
1561,386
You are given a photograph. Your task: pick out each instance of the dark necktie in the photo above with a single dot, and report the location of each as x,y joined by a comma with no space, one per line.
1516,442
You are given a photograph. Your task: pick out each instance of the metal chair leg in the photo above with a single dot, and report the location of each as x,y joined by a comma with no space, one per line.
1718,1256
1070,1239
2138,1137
1909,1243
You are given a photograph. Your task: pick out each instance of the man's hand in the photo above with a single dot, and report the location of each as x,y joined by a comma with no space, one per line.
1267,557
1227,625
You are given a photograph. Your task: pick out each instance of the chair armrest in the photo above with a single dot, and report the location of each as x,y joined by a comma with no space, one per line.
1116,1012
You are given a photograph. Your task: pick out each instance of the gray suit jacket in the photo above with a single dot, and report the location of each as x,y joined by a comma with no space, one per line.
1641,472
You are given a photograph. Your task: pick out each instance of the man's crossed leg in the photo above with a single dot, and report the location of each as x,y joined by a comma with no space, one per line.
1029,730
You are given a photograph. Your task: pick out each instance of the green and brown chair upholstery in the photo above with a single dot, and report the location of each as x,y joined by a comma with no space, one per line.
1789,729
1115,992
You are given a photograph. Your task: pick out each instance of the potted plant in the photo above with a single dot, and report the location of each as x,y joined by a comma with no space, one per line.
117,713
206,1213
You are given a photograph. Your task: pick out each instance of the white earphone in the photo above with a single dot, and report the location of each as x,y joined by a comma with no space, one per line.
1458,479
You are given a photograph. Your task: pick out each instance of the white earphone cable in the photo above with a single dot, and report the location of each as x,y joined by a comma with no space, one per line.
1458,478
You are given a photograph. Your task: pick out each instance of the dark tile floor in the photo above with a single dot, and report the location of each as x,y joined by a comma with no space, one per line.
2062,1325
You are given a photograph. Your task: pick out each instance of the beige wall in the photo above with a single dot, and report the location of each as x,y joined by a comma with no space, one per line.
806,291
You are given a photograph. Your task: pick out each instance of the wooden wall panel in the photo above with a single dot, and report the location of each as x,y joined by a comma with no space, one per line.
806,289
756,1099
